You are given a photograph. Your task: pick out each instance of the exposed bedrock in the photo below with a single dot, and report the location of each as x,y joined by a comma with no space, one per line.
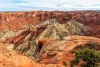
27,40
48,44
57,52
18,20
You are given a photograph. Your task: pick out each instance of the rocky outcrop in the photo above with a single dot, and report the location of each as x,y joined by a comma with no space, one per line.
57,52
27,40
17,20
11,58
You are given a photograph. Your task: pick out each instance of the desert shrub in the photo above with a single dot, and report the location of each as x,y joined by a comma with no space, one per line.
64,63
89,57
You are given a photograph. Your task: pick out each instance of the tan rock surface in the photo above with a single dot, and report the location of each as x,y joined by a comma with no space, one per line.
17,20
46,43
11,58
53,53
28,39
57,52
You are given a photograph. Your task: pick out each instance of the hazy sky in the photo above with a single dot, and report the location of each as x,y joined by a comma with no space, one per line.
49,5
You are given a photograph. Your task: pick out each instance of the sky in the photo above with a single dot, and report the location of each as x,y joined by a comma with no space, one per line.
49,5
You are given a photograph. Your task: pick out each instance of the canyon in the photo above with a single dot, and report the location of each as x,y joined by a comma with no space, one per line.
46,39
17,20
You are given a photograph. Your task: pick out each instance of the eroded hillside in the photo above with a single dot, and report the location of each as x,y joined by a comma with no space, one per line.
18,20
46,39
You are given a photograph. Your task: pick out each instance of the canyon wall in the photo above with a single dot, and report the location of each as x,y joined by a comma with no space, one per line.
17,20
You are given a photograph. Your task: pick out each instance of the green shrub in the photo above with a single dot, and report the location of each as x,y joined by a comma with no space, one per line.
90,57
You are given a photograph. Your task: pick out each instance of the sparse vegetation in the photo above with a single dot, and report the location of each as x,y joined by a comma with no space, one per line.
88,57
64,63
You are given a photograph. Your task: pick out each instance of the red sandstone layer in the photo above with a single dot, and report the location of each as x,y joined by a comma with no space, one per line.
16,20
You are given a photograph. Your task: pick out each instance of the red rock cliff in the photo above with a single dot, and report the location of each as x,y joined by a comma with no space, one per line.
16,20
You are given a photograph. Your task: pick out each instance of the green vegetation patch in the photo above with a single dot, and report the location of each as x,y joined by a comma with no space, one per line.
88,57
